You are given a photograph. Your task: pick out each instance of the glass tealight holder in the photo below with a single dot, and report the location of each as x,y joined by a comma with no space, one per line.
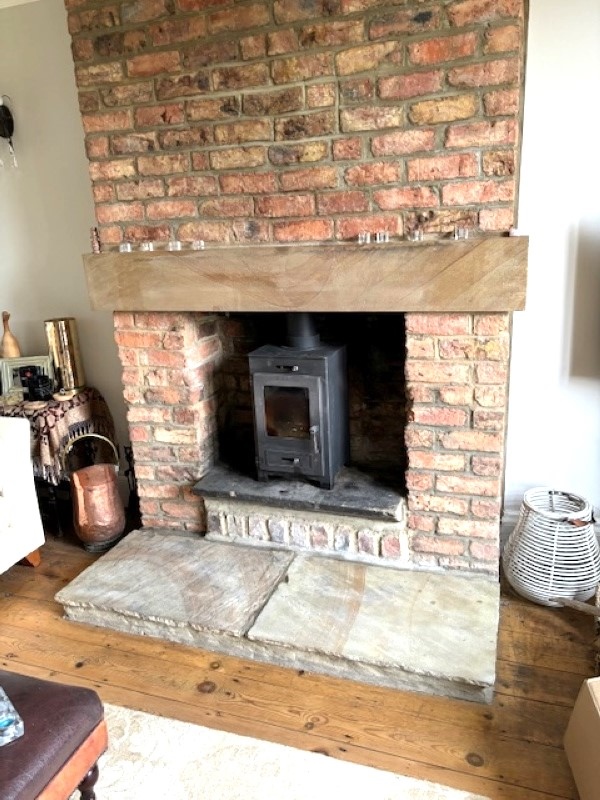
415,235
174,244
147,246
198,244
461,232
125,247
381,237
364,237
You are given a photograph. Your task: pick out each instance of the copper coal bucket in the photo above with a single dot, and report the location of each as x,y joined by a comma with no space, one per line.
98,511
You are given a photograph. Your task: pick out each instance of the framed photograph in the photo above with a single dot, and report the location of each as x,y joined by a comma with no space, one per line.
19,375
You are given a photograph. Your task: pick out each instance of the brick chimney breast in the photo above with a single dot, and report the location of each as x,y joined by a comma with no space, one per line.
271,121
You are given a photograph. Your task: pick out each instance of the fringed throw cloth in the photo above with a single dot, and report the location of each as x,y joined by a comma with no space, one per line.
54,424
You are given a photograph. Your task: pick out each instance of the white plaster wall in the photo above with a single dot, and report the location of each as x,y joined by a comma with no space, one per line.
554,417
46,211
7,3
46,207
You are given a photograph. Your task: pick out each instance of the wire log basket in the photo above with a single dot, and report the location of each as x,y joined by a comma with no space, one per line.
553,551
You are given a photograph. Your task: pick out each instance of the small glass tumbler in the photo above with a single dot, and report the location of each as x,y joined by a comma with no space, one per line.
381,237
198,244
11,724
461,232
174,244
147,246
125,247
415,235
364,237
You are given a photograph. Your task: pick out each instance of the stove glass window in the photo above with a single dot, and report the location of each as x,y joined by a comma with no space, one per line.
287,411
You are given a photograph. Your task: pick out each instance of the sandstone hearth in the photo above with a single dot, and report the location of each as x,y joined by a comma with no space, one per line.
403,629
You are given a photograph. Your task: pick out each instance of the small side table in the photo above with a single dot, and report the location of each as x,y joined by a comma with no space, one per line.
55,423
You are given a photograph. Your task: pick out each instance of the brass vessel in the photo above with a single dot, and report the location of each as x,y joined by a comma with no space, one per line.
63,342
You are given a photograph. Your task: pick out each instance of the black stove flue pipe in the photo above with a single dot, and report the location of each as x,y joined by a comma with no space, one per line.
301,331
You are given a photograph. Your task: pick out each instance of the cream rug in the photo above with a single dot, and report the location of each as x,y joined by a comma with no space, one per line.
153,757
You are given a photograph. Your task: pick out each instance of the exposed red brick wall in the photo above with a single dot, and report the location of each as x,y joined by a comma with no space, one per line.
290,120
457,377
309,120
169,363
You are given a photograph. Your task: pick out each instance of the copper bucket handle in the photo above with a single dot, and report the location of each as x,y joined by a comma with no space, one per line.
74,441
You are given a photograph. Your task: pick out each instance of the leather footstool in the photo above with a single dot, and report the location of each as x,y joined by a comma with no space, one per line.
65,734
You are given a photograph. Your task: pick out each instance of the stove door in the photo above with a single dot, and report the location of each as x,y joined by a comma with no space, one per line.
288,421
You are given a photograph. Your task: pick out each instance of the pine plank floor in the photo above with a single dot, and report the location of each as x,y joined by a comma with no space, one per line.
511,749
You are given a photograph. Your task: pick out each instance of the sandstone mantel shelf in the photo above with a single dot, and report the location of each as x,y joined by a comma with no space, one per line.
484,274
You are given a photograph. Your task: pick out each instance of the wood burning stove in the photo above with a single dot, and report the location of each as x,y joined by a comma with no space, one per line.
299,394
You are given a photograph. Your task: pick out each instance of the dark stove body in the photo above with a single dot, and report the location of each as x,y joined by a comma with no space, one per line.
300,412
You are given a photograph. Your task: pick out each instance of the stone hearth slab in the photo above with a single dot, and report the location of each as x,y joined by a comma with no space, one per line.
179,581
421,622
408,630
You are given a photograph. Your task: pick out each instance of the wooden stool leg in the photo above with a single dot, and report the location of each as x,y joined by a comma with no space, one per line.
86,787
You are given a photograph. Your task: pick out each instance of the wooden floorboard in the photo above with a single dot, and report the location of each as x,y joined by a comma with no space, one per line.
511,749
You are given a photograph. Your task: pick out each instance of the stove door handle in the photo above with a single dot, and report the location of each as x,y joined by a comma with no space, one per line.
314,438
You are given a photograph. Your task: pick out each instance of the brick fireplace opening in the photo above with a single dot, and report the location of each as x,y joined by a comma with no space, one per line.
362,513
374,384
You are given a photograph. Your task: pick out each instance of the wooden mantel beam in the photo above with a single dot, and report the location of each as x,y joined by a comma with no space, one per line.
475,275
